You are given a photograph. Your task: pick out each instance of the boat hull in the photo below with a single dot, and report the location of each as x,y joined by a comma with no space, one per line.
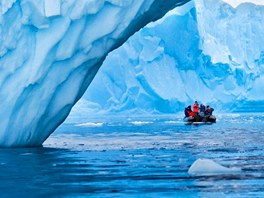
197,120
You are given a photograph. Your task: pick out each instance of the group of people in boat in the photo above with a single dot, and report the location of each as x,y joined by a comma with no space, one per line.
201,113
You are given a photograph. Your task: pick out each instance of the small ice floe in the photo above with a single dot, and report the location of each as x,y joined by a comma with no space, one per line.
26,154
203,167
235,115
91,124
172,122
139,123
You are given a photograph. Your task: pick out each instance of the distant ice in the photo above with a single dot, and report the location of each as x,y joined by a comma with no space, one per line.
156,69
235,3
203,167
91,124
173,122
139,123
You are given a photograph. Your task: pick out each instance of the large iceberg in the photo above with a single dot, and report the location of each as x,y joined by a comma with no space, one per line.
51,50
207,50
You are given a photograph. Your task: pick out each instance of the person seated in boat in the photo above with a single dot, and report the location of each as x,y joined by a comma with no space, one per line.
188,111
202,110
196,111
209,111
196,108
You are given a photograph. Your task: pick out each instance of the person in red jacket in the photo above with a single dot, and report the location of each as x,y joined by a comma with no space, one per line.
191,114
196,107
188,111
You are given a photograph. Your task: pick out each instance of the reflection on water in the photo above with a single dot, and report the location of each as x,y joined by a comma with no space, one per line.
138,158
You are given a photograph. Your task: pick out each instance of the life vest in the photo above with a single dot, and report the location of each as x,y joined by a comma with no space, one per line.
191,113
195,108
188,112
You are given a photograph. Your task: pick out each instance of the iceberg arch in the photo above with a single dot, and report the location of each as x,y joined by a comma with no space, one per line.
51,50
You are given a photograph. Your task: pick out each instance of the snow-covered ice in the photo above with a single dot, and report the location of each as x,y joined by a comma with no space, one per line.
203,167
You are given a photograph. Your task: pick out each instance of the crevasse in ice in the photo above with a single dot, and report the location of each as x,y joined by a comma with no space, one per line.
51,50
206,50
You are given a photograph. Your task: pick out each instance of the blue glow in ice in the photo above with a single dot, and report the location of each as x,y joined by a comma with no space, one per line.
186,57
51,50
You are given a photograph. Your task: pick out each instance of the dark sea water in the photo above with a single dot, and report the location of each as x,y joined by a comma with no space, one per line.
139,157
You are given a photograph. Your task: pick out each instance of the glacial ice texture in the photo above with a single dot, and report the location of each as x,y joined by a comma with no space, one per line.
51,50
205,50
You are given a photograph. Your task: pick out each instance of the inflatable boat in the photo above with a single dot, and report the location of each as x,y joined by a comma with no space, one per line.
197,120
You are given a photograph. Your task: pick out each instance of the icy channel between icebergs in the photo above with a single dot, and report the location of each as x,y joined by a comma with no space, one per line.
203,167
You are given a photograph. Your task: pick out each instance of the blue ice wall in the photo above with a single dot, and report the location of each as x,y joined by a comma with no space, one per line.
206,51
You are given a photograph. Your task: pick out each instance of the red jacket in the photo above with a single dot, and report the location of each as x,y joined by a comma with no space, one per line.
195,108
191,113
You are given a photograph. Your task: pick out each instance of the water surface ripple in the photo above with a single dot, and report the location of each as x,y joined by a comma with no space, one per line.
139,157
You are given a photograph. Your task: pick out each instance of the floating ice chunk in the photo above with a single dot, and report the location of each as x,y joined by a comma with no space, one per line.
27,154
208,167
173,122
91,124
139,123
52,8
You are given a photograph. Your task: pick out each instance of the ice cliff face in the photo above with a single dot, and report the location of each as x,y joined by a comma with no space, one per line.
239,46
51,50
206,50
